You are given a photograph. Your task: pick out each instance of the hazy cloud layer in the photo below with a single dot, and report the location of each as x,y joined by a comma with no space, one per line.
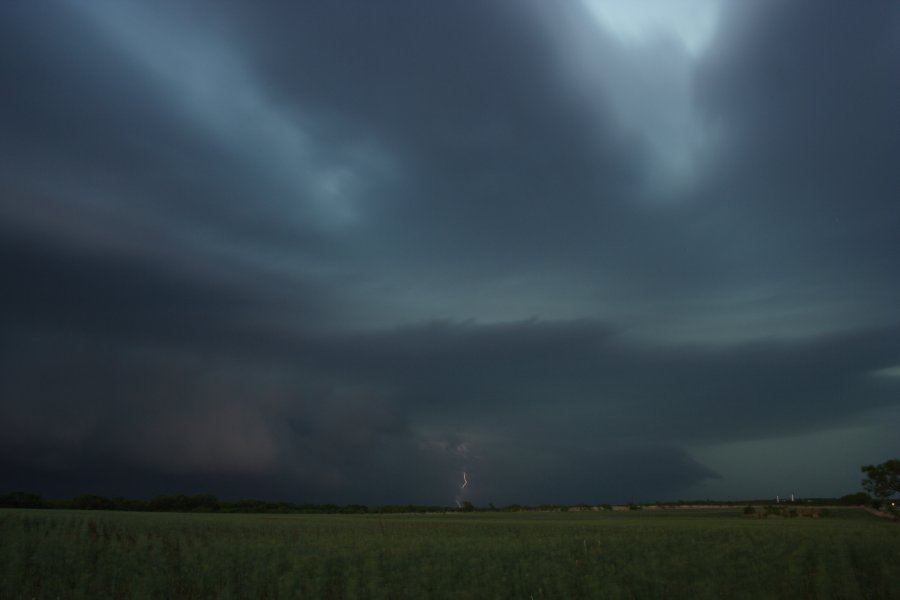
344,252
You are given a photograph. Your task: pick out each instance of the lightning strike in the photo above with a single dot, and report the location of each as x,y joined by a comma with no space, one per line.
459,495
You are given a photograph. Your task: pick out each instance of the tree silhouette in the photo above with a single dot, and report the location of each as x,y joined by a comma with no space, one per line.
882,481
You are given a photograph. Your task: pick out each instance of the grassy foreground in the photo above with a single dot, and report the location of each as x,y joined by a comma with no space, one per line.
642,554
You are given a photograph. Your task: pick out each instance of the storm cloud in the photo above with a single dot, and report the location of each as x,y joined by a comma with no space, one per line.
343,252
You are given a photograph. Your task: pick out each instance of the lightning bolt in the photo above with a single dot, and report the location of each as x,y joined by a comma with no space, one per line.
461,488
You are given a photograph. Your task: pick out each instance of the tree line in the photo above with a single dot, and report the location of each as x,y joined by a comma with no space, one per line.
881,484
199,503
211,504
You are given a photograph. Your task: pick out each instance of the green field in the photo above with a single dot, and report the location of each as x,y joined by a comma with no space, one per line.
639,554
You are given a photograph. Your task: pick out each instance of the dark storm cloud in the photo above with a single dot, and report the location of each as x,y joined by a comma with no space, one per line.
57,289
512,372
498,157
507,172
287,252
550,410
100,151
806,102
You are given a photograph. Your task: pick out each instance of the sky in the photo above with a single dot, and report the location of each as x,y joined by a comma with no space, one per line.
579,251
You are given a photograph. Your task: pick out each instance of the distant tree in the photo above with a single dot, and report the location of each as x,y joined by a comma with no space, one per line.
855,499
92,502
203,503
467,506
129,504
21,500
882,481
177,503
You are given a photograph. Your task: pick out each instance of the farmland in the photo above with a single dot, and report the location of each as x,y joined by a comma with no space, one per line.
672,554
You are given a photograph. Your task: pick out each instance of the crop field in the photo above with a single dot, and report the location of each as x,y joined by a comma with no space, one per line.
638,554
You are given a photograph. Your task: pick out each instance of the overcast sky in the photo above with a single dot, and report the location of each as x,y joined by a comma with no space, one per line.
581,250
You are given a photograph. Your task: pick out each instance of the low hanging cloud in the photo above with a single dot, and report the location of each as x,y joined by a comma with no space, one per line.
544,410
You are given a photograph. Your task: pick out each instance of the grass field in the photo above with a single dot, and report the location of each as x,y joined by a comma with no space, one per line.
640,554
